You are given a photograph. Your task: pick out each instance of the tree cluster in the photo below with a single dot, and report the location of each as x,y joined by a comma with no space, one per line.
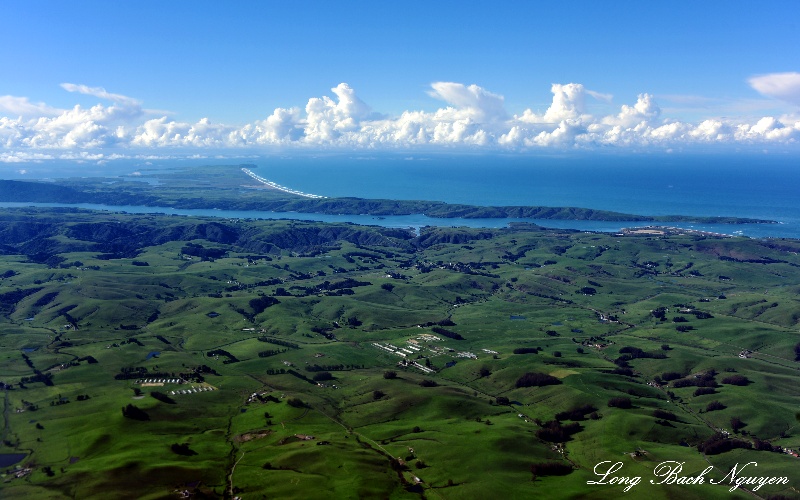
535,379
332,368
550,469
620,402
706,379
273,340
578,413
295,403
222,352
447,333
163,398
736,380
556,432
270,352
182,449
134,412
196,250
259,304
665,415
719,443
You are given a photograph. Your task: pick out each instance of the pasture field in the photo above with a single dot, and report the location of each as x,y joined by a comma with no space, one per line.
149,356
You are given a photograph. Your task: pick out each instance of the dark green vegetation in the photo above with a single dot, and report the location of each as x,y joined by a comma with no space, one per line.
147,355
228,188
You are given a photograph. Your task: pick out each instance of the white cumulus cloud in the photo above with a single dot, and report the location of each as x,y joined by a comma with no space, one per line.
327,119
568,104
22,107
471,100
469,117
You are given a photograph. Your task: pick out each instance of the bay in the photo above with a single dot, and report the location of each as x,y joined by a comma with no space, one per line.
747,185
416,221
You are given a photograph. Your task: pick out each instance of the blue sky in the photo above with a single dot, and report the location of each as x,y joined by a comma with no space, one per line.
465,74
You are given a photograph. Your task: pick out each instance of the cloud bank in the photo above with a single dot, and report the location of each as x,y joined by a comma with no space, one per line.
470,117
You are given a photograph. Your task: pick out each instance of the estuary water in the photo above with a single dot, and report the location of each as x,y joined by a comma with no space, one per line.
748,185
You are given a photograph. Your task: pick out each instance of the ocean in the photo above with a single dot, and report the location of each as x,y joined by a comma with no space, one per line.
748,185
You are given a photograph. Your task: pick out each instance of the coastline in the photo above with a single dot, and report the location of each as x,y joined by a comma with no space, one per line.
417,221
278,187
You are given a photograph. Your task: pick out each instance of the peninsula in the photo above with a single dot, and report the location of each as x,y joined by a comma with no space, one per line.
238,188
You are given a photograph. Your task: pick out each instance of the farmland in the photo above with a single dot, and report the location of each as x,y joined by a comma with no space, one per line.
153,356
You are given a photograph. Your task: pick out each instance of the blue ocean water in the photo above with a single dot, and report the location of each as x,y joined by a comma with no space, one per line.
747,185
762,187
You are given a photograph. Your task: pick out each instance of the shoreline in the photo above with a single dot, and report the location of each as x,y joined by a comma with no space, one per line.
278,187
674,231
415,220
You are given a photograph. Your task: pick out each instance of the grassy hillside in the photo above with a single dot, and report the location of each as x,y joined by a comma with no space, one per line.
146,356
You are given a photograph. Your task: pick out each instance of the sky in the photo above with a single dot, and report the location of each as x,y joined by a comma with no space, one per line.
105,79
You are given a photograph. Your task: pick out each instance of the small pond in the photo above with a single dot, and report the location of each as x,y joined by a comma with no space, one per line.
9,459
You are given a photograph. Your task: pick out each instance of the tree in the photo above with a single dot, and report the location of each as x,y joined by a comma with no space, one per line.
620,402
737,424
295,403
577,413
664,415
322,376
163,397
389,375
550,469
484,372
182,449
135,413
535,379
556,432
378,394
388,287
736,380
